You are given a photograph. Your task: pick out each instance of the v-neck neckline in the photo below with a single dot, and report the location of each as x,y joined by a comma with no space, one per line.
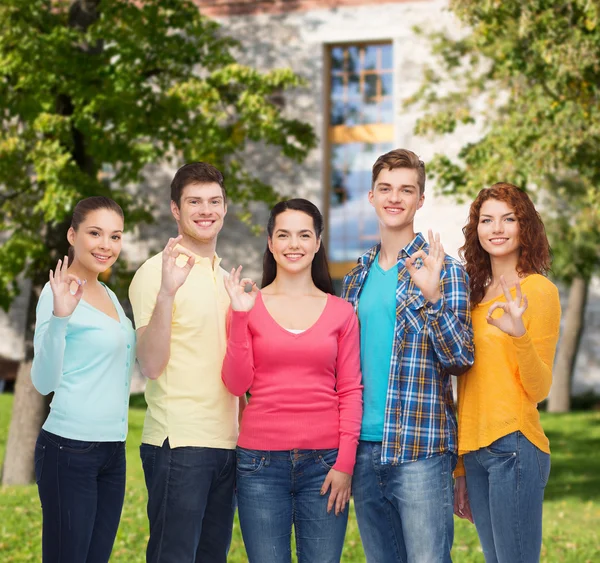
119,320
285,330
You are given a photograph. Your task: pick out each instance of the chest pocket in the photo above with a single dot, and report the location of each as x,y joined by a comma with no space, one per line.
415,312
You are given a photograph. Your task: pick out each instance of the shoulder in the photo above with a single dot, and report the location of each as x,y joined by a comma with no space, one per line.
150,268
539,286
340,308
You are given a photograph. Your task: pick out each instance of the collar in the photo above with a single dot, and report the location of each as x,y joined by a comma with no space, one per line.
212,263
418,243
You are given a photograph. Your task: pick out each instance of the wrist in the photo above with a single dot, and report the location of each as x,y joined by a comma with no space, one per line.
166,295
434,297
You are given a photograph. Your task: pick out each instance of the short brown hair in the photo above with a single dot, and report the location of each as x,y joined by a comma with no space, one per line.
195,173
400,158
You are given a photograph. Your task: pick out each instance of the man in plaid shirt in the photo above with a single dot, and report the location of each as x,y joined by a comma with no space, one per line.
412,302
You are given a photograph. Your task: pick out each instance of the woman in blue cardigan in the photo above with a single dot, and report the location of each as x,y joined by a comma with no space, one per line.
84,353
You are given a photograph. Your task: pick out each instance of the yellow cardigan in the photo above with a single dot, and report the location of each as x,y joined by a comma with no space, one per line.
510,376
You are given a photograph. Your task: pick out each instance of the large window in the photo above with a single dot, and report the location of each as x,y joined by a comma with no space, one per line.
360,129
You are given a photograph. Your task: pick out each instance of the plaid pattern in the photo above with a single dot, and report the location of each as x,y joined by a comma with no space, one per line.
431,342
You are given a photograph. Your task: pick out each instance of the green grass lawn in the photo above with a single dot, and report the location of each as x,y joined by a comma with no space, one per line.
571,510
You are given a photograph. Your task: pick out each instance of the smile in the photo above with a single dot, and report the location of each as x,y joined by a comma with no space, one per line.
293,257
101,257
498,240
394,210
204,223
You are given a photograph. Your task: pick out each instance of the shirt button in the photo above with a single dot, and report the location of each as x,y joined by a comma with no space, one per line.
128,345
127,364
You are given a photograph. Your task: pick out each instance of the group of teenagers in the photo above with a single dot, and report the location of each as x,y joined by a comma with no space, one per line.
346,396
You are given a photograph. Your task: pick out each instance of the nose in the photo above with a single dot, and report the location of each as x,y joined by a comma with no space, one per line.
294,242
105,242
498,227
395,196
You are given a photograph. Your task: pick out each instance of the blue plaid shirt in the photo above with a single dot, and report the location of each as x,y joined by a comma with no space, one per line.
431,343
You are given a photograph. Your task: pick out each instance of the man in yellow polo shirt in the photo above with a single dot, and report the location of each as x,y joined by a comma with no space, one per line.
190,432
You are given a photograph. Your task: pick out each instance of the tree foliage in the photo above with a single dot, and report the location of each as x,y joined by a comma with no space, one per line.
528,74
88,86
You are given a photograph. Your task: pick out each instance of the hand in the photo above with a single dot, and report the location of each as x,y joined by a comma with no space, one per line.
174,276
340,484
462,507
65,302
241,300
511,321
427,277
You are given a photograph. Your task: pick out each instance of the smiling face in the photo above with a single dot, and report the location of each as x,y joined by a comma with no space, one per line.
294,242
97,241
498,229
396,198
201,212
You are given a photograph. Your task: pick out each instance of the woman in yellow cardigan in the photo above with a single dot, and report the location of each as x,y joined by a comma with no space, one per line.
504,460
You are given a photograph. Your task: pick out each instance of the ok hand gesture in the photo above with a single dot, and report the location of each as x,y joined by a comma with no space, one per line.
511,321
427,277
241,300
65,302
173,276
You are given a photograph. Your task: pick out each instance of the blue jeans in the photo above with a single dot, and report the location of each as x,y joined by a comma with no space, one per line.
82,487
405,511
506,483
278,489
191,503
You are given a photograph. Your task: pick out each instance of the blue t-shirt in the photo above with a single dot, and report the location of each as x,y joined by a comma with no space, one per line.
377,316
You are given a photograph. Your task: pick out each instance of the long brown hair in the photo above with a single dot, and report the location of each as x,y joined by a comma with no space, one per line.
535,254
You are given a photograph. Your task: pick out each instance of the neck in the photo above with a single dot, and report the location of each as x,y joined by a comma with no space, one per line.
204,248
295,285
503,266
79,270
393,241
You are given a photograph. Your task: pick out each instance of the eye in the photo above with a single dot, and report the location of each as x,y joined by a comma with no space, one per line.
216,201
485,220
511,219
281,235
193,201
305,235
116,237
407,191
94,233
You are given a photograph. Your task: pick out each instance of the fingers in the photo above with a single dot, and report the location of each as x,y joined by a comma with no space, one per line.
525,303
65,265
505,289
326,484
171,244
518,293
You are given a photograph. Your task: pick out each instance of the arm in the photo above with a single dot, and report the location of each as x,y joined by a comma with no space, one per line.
535,344
349,391
153,298
449,321
154,340
54,309
238,365
448,313
49,342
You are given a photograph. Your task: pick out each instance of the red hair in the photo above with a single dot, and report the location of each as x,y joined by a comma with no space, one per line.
534,255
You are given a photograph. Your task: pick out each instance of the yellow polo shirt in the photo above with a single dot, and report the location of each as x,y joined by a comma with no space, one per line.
188,403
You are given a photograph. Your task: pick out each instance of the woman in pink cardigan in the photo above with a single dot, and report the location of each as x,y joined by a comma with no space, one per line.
294,347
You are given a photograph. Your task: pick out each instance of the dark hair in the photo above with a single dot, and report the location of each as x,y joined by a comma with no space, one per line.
400,158
320,268
535,254
195,173
85,207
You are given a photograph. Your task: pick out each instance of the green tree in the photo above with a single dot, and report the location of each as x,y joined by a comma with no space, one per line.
528,74
88,86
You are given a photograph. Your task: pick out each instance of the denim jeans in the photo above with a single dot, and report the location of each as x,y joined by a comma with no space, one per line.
82,487
191,503
405,511
278,489
505,484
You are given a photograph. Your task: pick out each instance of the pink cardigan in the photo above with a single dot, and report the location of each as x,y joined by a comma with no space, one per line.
305,388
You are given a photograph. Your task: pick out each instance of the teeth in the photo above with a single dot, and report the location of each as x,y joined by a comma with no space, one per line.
204,223
100,257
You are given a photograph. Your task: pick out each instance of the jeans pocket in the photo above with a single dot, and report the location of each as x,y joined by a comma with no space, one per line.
327,458
76,446
248,462
504,447
40,452
543,460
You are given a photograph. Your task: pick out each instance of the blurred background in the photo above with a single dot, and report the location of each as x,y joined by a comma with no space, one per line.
297,98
